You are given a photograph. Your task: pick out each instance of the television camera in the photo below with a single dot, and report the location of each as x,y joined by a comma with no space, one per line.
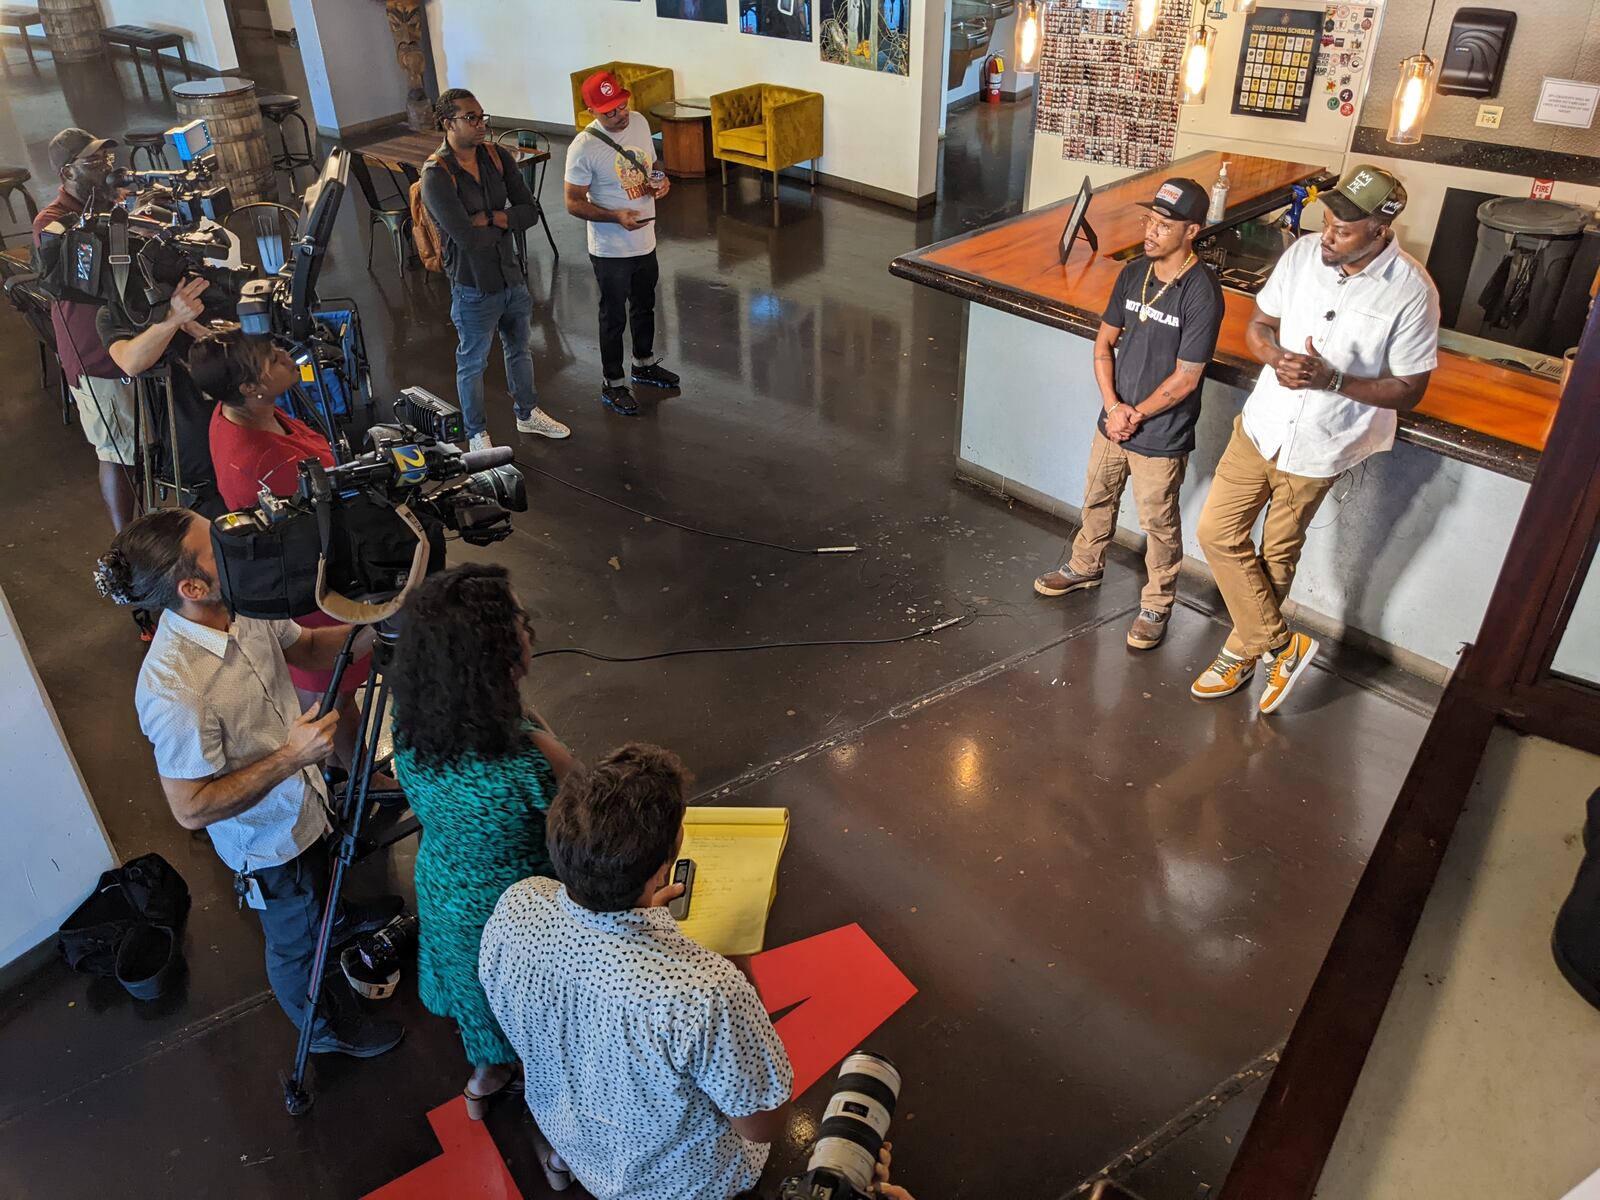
353,542
356,537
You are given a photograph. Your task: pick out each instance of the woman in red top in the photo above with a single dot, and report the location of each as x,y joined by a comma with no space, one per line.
253,446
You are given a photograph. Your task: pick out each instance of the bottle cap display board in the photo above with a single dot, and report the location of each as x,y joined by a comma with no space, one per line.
1112,97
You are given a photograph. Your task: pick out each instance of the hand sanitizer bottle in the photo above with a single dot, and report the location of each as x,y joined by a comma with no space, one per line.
1219,196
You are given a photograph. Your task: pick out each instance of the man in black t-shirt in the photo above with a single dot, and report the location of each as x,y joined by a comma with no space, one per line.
1156,338
161,339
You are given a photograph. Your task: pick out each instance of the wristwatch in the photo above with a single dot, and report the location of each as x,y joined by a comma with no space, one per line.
1336,380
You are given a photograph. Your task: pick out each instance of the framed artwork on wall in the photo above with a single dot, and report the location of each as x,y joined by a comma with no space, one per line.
776,18
694,10
874,35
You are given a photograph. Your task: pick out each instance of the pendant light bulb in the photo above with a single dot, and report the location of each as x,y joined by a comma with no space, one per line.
1197,65
1412,96
1244,6
1146,13
1030,36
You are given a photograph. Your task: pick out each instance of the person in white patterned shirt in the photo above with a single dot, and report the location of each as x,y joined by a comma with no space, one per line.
650,1064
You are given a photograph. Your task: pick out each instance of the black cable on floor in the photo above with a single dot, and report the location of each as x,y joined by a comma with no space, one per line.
961,621
711,533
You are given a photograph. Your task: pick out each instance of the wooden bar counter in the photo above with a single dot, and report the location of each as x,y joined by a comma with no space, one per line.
1475,411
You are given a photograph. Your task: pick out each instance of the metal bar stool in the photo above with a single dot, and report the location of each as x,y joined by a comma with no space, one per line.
152,144
12,183
278,107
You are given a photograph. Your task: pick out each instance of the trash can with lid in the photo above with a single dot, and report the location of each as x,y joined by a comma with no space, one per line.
1524,255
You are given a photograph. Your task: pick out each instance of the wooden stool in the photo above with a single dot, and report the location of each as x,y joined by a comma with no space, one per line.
152,144
20,19
12,181
278,107
142,37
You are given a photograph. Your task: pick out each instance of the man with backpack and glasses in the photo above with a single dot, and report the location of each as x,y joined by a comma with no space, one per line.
479,201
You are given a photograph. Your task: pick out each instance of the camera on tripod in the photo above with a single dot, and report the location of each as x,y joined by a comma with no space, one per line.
356,537
189,192
138,251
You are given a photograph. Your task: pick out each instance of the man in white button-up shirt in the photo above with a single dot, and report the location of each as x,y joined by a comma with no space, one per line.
236,755
1347,327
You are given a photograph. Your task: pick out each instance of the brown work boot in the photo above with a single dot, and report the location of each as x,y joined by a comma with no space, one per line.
1149,627
1063,580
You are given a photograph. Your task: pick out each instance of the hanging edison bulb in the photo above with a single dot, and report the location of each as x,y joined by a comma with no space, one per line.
1197,65
1029,38
1412,96
1146,16
1244,6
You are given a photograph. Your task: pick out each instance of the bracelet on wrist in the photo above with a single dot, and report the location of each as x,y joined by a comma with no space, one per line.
1336,380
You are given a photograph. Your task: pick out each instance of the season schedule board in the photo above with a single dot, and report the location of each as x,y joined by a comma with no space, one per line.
1276,63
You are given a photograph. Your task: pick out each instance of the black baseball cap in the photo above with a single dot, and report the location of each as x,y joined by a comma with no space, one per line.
73,143
1366,192
1182,200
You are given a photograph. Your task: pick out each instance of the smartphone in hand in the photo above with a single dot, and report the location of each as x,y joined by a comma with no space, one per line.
682,873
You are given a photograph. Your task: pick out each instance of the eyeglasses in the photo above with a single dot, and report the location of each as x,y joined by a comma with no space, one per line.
471,118
1157,226
98,160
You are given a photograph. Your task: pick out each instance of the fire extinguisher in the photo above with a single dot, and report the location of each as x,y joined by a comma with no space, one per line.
994,69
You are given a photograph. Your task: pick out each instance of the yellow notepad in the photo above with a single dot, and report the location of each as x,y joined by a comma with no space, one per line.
736,853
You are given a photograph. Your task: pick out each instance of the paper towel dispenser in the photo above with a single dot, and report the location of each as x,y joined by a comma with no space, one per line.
1475,55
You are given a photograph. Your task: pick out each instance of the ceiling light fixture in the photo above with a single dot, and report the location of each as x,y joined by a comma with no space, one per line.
1413,93
1197,57
1030,37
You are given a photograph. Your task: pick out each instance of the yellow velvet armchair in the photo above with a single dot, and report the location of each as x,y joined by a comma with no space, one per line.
650,86
768,127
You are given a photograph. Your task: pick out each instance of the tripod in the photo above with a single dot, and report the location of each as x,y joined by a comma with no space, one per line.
352,816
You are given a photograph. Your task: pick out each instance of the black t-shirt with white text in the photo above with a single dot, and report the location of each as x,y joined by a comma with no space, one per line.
1182,324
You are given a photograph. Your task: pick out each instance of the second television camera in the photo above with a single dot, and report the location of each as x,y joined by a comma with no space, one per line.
365,530
137,250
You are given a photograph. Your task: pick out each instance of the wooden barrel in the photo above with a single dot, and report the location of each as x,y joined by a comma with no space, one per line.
228,107
72,29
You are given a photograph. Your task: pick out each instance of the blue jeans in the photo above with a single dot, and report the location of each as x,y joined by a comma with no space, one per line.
477,315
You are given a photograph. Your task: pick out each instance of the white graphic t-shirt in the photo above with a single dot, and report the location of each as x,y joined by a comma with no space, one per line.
613,182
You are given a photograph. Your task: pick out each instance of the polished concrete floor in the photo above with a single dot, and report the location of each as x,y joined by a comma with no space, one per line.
1110,898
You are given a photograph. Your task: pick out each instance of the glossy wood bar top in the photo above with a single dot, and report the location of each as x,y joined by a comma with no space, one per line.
1475,411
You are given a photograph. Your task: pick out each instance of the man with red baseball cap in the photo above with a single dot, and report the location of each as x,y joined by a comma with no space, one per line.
613,183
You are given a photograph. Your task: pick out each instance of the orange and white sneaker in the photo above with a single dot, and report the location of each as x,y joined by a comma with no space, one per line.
1285,667
1225,676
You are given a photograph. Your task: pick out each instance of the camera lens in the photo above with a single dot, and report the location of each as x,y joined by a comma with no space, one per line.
857,1119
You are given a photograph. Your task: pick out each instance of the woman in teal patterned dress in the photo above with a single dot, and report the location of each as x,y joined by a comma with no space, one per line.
480,770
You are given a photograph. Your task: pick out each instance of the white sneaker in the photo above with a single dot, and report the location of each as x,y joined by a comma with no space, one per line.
479,441
542,423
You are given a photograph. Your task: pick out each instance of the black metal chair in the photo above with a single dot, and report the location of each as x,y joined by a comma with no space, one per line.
266,228
29,299
13,183
533,173
152,144
278,107
393,213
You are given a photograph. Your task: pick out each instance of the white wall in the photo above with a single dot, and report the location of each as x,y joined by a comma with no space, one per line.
281,13
351,71
517,56
208,39
54,846
1406,550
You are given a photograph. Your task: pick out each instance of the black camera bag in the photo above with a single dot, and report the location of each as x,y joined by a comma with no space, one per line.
271,573
144,890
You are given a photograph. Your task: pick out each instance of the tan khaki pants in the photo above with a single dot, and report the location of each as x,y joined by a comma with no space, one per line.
1255,583
1155,494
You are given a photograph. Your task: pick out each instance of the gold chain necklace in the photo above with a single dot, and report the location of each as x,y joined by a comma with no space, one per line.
1144,292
